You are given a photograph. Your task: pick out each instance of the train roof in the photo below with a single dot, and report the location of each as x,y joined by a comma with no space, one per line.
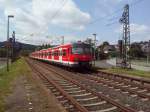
56,47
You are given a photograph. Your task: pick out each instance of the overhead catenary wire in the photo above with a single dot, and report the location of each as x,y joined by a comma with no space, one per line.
59,9
119,10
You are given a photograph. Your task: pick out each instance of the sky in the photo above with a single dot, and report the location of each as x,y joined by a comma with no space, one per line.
46,21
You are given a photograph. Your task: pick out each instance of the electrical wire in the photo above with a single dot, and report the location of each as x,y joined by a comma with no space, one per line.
59,10
119,10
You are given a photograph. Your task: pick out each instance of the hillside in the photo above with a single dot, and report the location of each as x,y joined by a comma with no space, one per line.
22,46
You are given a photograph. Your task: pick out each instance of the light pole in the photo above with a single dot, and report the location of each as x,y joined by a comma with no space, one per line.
9,16
94,47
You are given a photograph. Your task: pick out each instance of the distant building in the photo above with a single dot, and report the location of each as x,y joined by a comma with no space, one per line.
109,48
145,47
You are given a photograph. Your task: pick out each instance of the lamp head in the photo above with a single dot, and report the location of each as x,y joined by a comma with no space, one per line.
10,16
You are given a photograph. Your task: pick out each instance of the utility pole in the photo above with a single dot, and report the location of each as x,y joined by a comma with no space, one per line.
9,16
126,63
62,40
148,52
94,47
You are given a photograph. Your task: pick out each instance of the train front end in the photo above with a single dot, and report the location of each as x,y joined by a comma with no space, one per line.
81,55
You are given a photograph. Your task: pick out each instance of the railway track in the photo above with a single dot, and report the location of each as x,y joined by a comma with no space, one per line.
75,96
123,85
134,89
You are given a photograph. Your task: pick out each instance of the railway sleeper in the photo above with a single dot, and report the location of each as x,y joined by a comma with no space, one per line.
142,90
87,99
81,95
133,88
68,106
89,104
65,84
91,101
72,89
76,91
63,101
70,86
57,93
148,94
102,107
111,109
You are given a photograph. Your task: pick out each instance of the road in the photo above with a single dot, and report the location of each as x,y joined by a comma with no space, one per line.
102,64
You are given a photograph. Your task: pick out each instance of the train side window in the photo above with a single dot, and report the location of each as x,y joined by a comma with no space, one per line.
69,51
56,53
49,53
64,52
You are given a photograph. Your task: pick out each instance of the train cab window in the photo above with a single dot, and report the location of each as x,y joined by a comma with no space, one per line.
81,49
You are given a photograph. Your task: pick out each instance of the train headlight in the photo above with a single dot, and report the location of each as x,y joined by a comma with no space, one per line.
76,59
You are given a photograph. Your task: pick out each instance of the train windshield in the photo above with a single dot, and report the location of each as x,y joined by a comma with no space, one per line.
81,49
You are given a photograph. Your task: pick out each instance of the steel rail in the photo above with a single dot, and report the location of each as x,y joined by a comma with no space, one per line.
112,77
141,80
118,87
70,98
100,95
141,86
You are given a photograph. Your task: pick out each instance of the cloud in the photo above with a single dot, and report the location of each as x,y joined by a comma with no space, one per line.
135,29
138,32
37,16
139,29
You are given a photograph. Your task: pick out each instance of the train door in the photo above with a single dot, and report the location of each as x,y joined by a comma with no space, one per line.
64,56
60,55
68,55
52,57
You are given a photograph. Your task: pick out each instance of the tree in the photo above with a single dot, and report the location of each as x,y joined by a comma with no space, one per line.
3,52
136,51
101,47
105,43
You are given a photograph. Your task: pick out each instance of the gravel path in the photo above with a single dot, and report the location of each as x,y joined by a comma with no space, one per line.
28,96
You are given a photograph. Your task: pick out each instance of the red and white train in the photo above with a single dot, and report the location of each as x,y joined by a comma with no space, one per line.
70,55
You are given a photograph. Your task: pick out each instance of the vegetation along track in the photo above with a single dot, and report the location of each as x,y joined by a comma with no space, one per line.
75,96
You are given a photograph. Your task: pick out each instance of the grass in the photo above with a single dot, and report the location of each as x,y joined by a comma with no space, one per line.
132,72
141,63
17,68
